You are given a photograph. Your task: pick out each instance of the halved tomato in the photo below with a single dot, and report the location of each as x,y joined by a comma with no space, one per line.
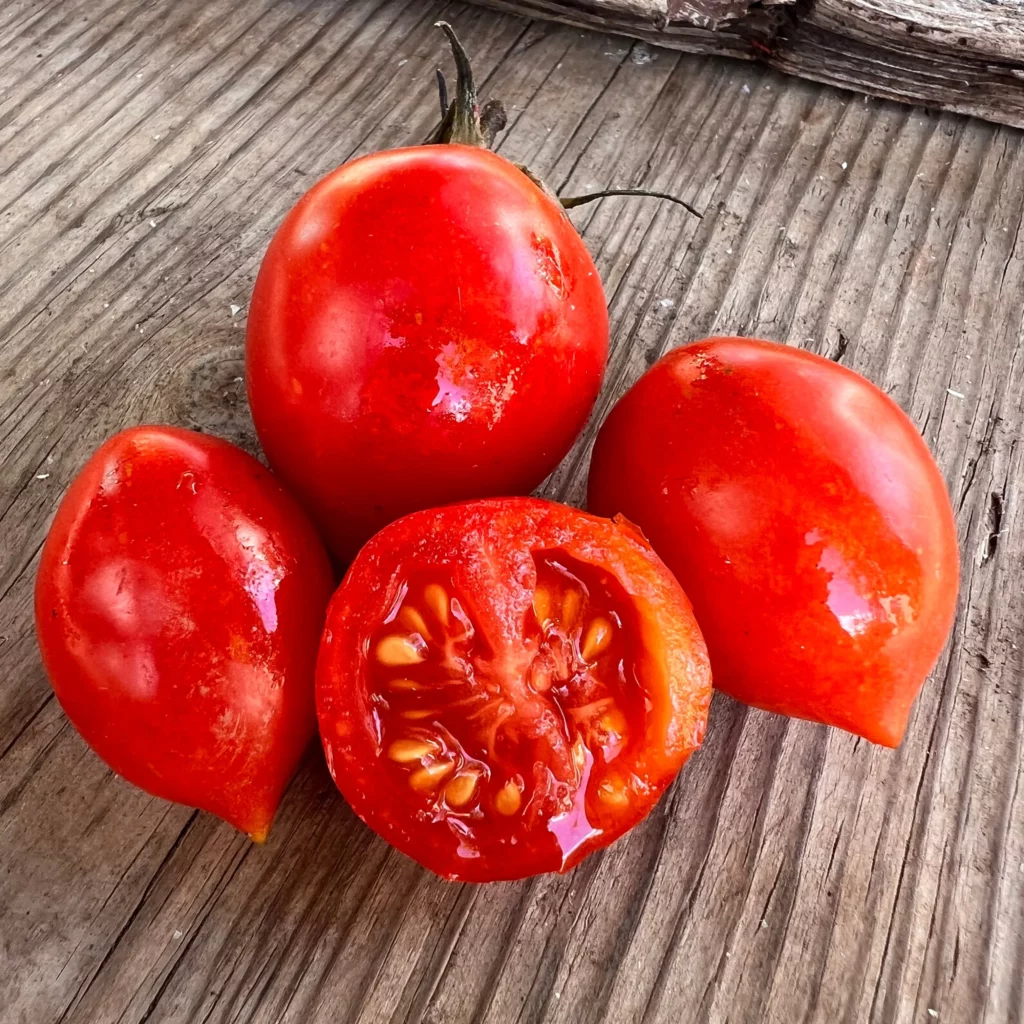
505,686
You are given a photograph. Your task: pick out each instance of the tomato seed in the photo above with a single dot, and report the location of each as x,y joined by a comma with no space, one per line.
461,789
429,776
579,754
413,621
437,601
540,678
407,751
611,791
398,650
404,685
418,714
508,799
570,608
542,605
613,723
599,636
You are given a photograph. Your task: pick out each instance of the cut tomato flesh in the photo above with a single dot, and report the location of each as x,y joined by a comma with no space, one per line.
486,742
509,728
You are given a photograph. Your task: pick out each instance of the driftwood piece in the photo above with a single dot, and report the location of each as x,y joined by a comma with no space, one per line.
793,873
962,55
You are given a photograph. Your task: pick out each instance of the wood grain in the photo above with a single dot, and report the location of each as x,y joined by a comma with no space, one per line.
962,55
147,150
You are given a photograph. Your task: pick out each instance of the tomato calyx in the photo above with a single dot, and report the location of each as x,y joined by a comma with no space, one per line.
464,122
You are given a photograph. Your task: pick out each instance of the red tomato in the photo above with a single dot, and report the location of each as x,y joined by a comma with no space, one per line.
179,603
805,517
507,685
426,326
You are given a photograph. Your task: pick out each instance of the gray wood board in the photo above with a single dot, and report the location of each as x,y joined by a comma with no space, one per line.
962,55
793,873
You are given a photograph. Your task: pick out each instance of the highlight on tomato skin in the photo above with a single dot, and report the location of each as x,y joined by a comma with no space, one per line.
801,510
179,603
505,686
457,356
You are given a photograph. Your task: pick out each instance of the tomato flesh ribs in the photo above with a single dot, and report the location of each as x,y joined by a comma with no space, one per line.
801,510
497,724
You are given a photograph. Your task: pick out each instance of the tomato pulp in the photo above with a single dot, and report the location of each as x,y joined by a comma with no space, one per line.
179,602
426,326
507,685
804,515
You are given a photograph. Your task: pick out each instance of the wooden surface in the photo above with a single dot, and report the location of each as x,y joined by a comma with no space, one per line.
963,55
147,150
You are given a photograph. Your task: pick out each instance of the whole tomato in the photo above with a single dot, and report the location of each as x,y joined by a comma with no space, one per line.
804,515
179,602
507,685
426,326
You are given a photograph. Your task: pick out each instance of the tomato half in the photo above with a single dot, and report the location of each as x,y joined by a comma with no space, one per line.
507,685
426,326
179,603
804,515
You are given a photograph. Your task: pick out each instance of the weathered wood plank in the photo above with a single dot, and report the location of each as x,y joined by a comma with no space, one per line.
792,873
963,55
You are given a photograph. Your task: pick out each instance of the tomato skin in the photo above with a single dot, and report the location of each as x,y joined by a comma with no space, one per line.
179,601
485,551
426,326
804,515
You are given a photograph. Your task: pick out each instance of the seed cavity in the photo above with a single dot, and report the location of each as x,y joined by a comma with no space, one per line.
461,789
405,751
413,621
418,714
508,799
436,598
430,776
597,639
398,650
542,604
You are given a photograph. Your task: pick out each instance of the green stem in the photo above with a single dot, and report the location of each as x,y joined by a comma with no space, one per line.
463,122
571,202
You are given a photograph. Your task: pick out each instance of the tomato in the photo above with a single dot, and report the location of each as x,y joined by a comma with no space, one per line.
179,602
426,326
805,517
507,685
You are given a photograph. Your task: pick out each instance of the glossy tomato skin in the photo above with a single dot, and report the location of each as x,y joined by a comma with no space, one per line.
804,515
426,326
647,694
179,601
